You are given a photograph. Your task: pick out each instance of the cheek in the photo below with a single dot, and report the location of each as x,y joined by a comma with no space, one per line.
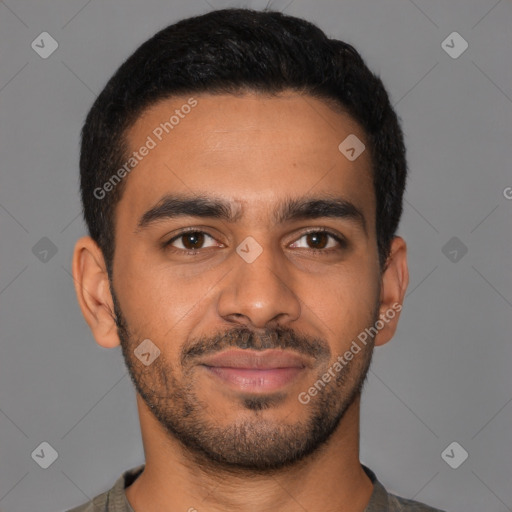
164,307
150,286
345,302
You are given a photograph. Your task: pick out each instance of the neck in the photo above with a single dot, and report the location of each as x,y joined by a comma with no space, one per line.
331,479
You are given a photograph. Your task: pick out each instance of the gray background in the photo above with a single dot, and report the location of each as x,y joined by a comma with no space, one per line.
444,377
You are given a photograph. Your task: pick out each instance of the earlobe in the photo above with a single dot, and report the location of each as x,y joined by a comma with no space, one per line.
395,280
93,292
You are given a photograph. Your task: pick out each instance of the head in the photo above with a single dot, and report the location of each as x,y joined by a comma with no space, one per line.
228,125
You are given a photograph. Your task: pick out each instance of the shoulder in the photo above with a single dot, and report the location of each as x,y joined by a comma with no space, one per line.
98,504
113,500
405,505
381,500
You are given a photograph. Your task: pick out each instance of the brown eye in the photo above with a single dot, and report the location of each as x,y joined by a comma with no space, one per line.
189,241
193,240
317,240
320,240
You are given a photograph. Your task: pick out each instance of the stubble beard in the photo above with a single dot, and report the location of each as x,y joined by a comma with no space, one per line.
253,443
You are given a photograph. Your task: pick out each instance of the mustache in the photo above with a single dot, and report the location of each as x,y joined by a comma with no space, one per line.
244,338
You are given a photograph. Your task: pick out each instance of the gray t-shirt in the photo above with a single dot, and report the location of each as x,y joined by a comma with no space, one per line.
115,499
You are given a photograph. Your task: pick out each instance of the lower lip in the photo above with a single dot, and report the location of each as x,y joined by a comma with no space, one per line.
252,380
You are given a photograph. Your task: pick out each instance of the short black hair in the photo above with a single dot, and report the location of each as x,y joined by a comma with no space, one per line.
232,51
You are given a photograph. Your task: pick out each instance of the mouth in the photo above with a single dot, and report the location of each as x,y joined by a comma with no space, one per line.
250,371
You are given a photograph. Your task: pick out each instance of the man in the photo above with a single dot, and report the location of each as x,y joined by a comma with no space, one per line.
242,179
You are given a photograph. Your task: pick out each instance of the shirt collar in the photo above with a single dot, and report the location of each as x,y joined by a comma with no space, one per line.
379,499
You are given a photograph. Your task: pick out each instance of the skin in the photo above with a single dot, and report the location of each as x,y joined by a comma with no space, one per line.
254,151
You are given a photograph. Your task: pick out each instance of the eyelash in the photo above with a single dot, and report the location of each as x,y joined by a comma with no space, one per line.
341,241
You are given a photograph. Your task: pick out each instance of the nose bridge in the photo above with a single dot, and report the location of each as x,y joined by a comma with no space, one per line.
259,290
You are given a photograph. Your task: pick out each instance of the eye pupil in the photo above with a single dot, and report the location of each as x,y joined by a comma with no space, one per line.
195,238
314,238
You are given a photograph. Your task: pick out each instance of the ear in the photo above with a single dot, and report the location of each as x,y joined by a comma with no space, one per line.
394,281
93,291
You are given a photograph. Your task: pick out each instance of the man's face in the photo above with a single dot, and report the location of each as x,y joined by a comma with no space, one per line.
257,282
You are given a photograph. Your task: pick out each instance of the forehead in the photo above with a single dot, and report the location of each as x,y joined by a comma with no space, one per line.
251,149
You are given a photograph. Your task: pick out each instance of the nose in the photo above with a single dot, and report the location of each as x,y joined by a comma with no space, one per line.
259,294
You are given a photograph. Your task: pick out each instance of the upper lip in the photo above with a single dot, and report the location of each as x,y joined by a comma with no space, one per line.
259,360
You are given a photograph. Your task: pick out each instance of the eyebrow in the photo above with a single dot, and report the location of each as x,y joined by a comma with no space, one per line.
291,209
